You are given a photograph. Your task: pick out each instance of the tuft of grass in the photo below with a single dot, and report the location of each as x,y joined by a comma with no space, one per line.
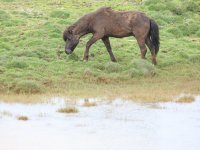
69,109
135,73
142,68
27,87
185,99
99,66
112,67
22,118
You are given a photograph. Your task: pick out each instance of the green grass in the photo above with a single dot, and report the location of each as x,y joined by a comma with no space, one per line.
31,45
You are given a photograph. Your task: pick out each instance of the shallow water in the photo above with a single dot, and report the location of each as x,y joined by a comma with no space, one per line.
110,125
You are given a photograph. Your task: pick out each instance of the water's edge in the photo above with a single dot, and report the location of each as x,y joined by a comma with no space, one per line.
100,125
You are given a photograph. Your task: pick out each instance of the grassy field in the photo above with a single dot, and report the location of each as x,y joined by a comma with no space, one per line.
31,42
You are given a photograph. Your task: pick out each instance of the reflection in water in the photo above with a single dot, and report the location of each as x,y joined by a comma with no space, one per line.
116,125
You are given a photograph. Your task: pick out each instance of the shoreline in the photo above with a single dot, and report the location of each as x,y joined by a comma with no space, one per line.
141,91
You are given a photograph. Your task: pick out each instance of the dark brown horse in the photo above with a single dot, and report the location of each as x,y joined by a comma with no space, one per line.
105,23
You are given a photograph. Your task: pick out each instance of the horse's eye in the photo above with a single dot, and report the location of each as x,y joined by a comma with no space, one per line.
66,40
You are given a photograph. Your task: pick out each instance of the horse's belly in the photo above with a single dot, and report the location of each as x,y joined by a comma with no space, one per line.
120,33
118,29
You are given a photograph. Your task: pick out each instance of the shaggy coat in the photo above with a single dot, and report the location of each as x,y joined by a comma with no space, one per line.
105,23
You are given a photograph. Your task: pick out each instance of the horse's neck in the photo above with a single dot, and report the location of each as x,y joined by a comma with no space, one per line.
81,28
82,31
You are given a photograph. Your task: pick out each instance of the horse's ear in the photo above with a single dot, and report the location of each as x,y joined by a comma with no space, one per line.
70,30
65,35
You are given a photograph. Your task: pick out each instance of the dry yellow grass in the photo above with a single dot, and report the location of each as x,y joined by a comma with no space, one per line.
186,99
22,118
69,109
145,90
22,98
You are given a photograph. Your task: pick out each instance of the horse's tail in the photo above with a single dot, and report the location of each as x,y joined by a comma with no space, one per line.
154,35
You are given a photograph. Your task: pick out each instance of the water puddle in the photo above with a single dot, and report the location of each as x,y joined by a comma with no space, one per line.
100,125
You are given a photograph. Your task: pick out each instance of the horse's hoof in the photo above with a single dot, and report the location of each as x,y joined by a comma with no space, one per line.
154,63
84,60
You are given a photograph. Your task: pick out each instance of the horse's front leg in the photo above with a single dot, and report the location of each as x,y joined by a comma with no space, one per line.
94,38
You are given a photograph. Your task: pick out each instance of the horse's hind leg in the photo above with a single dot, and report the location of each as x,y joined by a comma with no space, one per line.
143,49
152,50
106,42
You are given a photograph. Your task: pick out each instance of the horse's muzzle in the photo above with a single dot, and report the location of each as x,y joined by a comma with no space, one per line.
68,51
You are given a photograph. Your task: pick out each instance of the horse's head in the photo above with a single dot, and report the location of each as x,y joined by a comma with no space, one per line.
70,39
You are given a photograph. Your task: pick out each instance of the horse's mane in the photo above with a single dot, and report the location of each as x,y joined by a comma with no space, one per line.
85,17
70,28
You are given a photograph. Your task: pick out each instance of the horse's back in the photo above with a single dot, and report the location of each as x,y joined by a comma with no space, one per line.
119,18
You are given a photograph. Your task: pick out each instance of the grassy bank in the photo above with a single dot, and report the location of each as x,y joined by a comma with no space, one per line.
31,42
